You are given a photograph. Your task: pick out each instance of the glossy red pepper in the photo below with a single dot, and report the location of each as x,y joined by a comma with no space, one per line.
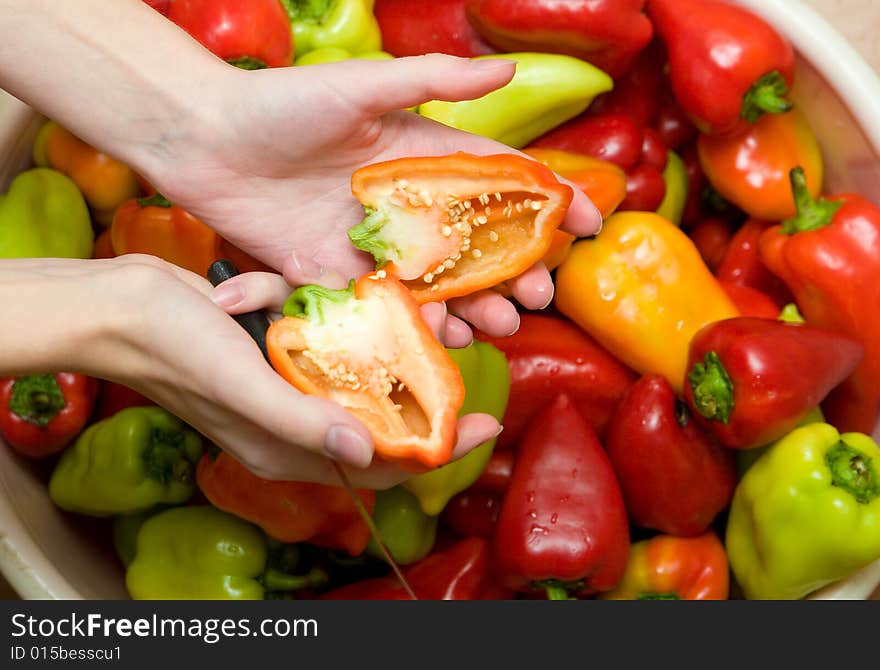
693,208
416,27
727,65
562,526
750,301
472,514
674,477
638,93
607,33
673,125
742,264
645,189
251,35
495,477
42,414
711,236
460,572
750,381
829,256
548,356
115,397
160,6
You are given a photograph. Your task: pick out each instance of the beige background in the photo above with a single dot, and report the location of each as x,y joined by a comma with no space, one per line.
858,20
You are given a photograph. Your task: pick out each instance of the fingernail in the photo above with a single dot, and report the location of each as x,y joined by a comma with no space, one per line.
306,267
549,299
228,295
343,443
492,64
516,327
600,219
498,432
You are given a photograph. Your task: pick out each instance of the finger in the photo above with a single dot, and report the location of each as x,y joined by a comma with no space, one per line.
487,311
384,86
583,218
458,334
434,314
533,288
474,430
299,270
250,292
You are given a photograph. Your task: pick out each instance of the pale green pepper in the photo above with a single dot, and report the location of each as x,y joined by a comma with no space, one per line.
408,533
344,24
677,186
337,55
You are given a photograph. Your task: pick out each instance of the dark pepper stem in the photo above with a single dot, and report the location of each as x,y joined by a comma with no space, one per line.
811,214
275,580
766,96
37,399
853,471
247,63
658,596
712,388
157,200
165,459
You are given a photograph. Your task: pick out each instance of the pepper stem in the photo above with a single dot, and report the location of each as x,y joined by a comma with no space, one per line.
658,596
247,63
811,214
557,592
165,458
712,388
37,399
157,200
275,580
766,96
853,471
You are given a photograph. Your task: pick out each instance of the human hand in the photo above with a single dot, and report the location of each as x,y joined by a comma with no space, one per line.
271,165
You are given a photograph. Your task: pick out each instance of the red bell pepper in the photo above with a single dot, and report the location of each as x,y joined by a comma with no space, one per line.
711,236
548,356
751,302
675,568
750,381
607,33
727,65
251,35
562,525
113,398
829,256
42,414
674,477
472,513
416,27
742,264
288,511
460,572
495,477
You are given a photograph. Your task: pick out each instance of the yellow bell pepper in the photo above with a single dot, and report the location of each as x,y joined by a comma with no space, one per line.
642,290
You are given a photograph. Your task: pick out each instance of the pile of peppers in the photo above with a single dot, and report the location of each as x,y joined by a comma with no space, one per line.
691,418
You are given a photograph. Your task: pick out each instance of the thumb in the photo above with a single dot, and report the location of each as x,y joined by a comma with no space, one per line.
378,87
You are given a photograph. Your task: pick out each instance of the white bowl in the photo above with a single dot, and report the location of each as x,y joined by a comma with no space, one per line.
45,553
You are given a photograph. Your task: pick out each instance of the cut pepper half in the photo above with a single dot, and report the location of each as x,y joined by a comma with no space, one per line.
447,226
368,349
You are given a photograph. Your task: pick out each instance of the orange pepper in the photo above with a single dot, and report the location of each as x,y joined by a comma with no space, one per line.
641,289
368,349
104,182
674,568
751,169
103,245
287,511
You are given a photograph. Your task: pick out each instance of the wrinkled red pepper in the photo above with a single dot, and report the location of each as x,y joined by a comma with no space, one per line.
742,264
750,381
829,256
562,525
674,477
460,572
548,356
727,65
607,33
42,414
416,27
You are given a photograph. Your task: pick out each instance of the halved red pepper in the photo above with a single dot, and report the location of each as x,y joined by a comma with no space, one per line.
367,348
460,572
416,27
42,414
607,33
750,381
288,511
252,35
829,256
447,226
674,477
727,65
562,527
675,568
742,264
549,355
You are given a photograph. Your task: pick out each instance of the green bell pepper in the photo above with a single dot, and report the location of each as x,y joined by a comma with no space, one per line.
337,55
43,215
806,514
677,186
408,533
125,531
547,90
486,389
129,462
346,24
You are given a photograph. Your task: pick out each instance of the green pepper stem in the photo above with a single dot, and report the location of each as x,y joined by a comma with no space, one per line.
811,214
791,314
275,580
853,471
165,458
557,592
658,596
712,389
157,200
766,96
37,399
247,63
